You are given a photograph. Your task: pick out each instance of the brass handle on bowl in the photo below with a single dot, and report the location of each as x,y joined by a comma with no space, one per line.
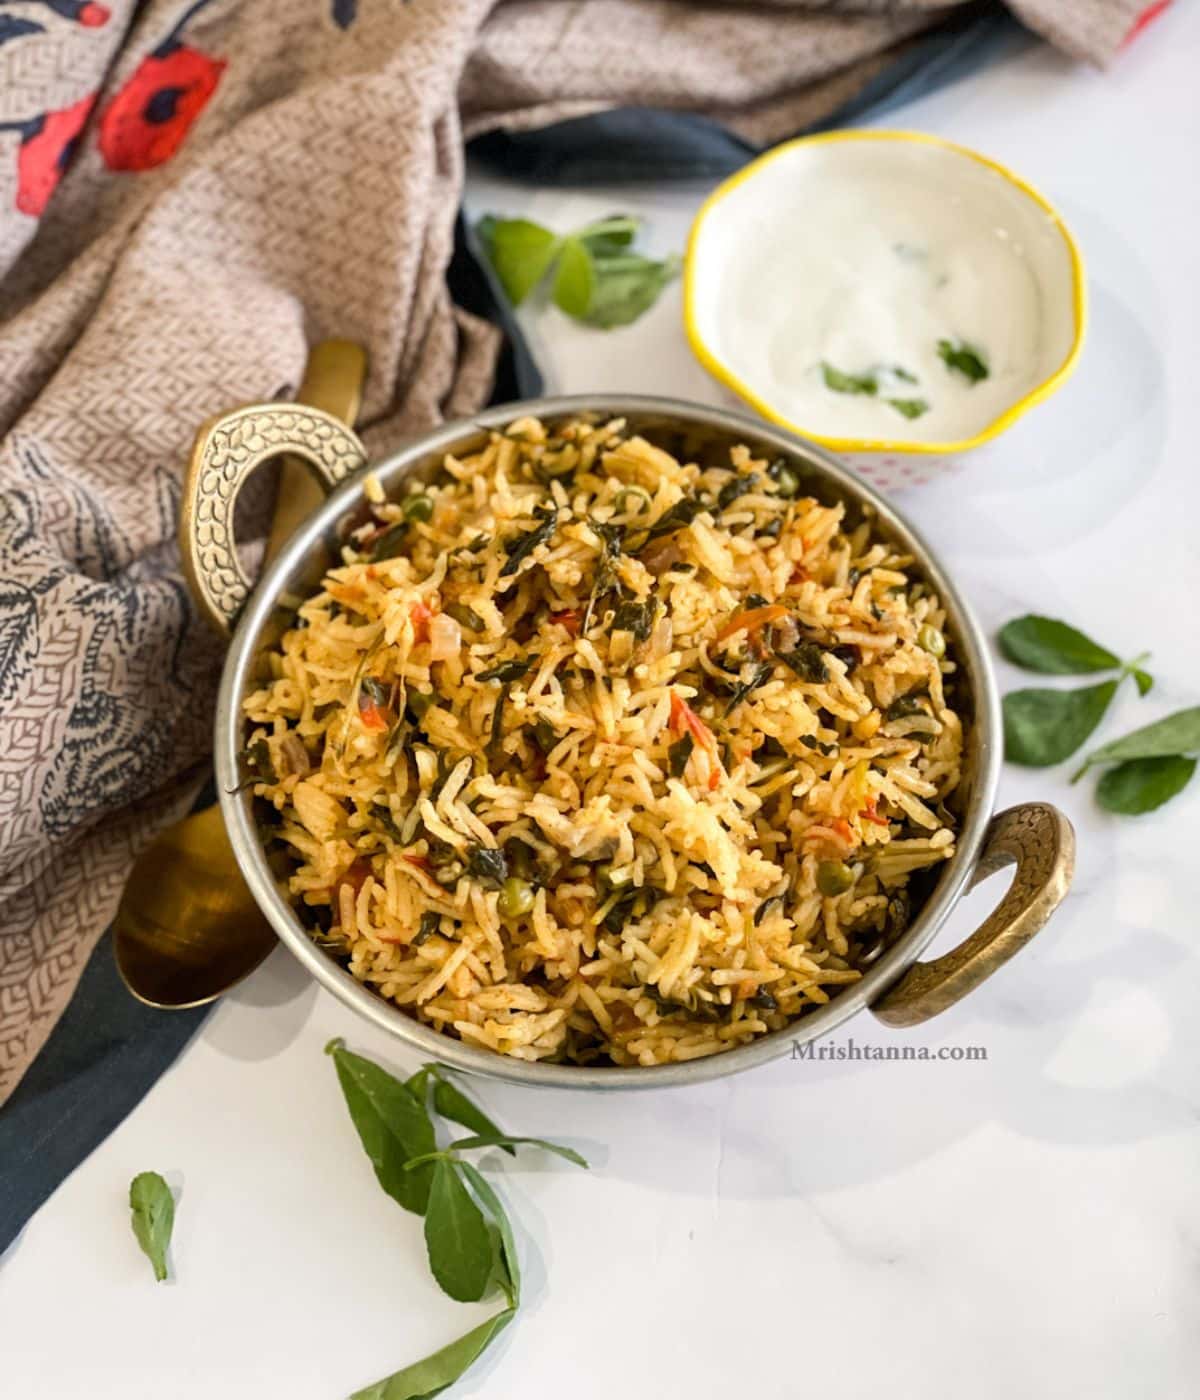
226,451
1039,840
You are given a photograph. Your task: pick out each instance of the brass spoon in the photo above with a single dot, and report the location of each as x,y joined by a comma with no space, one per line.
187,928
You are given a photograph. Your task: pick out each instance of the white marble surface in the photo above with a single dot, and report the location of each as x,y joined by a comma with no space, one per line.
1028,1226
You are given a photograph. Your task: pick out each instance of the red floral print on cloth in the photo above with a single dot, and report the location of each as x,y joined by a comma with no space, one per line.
92,16
1147,16
145,124
85,12
48,142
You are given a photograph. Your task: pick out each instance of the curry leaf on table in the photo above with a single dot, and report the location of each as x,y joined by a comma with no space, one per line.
609,236
1141,784
626,286
456,1236
424,1379
520,251
468,1235
153,1218
1052,647
505,1139
597,277
574,279
1177,735
1043,727
392,1124
508,1245
418,1084
452,1103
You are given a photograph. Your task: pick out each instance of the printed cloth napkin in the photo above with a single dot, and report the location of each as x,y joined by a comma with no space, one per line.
190,195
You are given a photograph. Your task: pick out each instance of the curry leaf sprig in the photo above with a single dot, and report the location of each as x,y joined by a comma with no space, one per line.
1148,767
1043,726
153,1218
468,1236
597,278
1044,644
1143,769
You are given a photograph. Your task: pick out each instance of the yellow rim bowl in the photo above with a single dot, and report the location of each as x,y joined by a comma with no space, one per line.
694,273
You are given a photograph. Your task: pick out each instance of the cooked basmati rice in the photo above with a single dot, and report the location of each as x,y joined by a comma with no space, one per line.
588,754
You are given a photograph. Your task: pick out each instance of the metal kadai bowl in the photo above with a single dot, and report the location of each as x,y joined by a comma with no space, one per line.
897,988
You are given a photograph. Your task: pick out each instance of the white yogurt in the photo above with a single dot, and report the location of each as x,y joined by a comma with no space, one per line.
863,255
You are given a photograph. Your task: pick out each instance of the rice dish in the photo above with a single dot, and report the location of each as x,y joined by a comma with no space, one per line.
586,753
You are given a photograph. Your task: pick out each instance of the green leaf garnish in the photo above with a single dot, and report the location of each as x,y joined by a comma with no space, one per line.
418,1084
1043,727
153,1219
842,383
1146,768
609,236
468,1235
510,1279
452,1103
1175,736
759,676
597,278
910,408
520,546
679,753
427,1378
1052,647
964,359
574,280
456,1236
520,251
505,1140
1142,784
511,670
392,1123
626,286
869,383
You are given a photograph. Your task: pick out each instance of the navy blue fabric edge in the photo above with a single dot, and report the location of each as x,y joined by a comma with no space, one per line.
640,144
101,1059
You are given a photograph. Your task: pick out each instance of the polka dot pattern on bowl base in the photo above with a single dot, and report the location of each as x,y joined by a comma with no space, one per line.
892,471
